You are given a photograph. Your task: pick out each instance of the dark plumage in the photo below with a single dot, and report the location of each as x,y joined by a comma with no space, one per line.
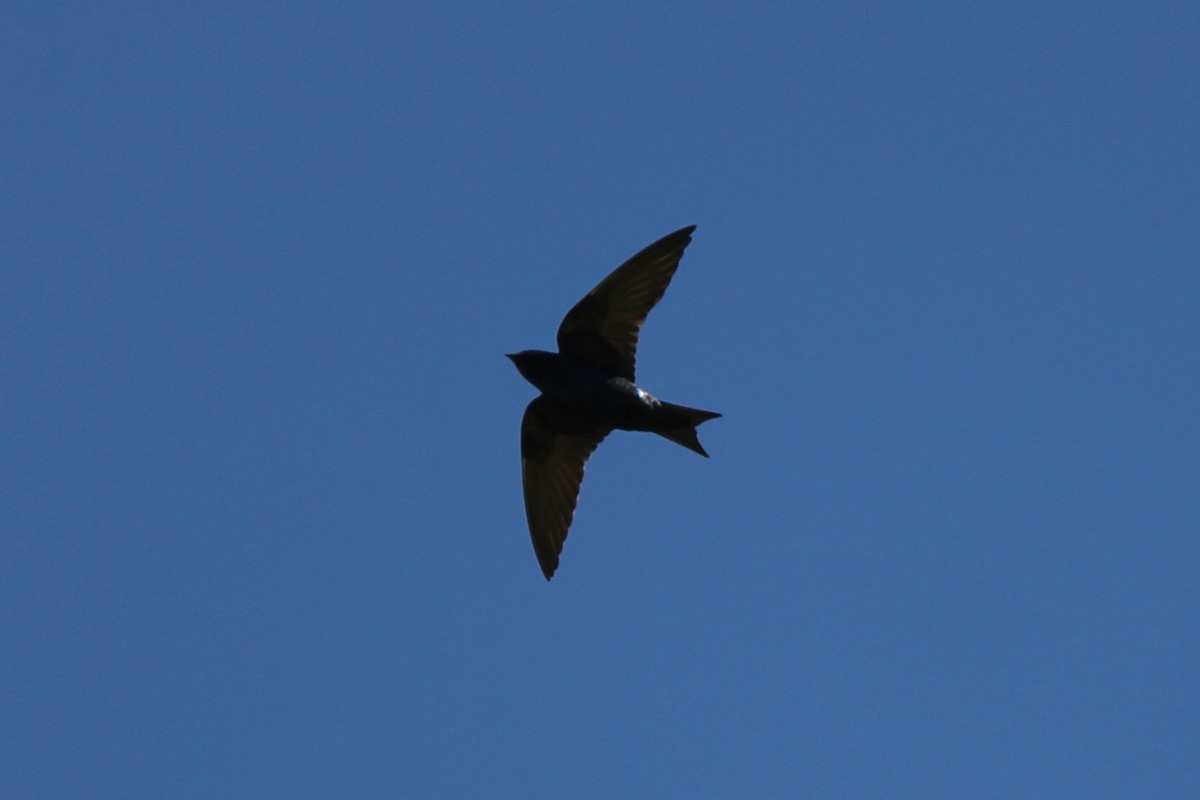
587,390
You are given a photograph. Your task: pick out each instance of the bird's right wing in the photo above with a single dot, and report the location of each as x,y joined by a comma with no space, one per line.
555,444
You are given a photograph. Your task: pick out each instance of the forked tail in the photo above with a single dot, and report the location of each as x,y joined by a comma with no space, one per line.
685,432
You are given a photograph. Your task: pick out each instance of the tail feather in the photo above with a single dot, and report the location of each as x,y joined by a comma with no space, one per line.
685,434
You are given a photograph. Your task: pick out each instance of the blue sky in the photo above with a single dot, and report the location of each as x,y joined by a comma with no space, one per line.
261,531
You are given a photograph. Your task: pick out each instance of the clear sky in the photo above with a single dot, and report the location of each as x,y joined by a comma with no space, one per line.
261,527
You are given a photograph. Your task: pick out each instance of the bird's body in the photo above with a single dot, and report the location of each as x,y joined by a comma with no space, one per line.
608,400
588,390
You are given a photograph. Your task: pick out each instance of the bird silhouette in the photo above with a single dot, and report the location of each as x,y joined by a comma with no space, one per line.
588,390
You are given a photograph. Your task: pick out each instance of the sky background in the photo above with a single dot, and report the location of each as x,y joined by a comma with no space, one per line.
261,527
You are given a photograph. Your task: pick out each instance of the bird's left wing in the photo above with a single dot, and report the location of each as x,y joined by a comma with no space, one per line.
603,327
555,444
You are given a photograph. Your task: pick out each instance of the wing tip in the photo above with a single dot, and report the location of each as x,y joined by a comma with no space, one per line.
548,563
684,233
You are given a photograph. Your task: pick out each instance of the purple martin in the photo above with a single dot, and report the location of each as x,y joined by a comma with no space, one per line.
587,390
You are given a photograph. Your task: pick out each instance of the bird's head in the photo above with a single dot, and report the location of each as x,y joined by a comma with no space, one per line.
534,364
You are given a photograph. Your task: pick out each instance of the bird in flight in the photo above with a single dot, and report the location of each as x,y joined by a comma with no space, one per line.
587,390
